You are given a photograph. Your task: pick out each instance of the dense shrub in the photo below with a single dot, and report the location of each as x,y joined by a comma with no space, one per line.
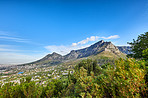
125,78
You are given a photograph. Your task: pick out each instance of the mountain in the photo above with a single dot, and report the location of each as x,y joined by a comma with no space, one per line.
53,58
125,49
100,48
92,50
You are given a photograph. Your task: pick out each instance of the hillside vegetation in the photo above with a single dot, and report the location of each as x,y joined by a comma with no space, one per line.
99,49
126,78
99,76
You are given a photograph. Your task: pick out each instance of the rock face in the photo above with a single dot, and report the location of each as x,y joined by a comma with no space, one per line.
53,56
94,49
125,49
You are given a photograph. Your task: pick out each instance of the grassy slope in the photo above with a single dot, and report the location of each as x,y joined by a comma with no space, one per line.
101,57
105,55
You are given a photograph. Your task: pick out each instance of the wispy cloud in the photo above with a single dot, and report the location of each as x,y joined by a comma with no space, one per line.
7,48
4,33
94,38
10,55
111,37
13,54
6,38
61,49
18,58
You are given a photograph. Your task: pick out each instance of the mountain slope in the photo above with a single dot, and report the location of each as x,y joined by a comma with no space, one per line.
124,49
92,50
100,48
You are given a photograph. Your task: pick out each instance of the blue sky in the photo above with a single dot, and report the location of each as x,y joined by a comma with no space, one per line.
30,29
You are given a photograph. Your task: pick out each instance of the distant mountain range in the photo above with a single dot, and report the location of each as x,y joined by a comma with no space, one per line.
101,47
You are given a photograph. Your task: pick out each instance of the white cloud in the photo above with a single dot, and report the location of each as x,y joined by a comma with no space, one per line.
63,50
94,38
74,44
111,37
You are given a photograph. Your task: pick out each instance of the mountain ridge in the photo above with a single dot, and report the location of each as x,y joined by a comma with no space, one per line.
94,49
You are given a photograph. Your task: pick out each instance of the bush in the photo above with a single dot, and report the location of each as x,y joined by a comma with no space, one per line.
126,78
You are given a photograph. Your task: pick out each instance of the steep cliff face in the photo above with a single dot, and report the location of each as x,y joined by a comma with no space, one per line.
125,49
112,48
97,48
92,50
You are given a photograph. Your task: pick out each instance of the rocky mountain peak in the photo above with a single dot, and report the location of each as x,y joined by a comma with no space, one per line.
112,48
97,48
54,54
98,43
101,41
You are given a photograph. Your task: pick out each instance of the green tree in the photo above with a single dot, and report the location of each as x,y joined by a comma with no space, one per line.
145,54
129,78
137,46
123,79
29,88
89,65
53,89
86,85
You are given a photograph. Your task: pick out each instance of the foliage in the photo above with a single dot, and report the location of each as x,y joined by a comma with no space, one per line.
139,45
124,78
140,51
53,89
26,89
89,65
130,78
86,85
145,54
